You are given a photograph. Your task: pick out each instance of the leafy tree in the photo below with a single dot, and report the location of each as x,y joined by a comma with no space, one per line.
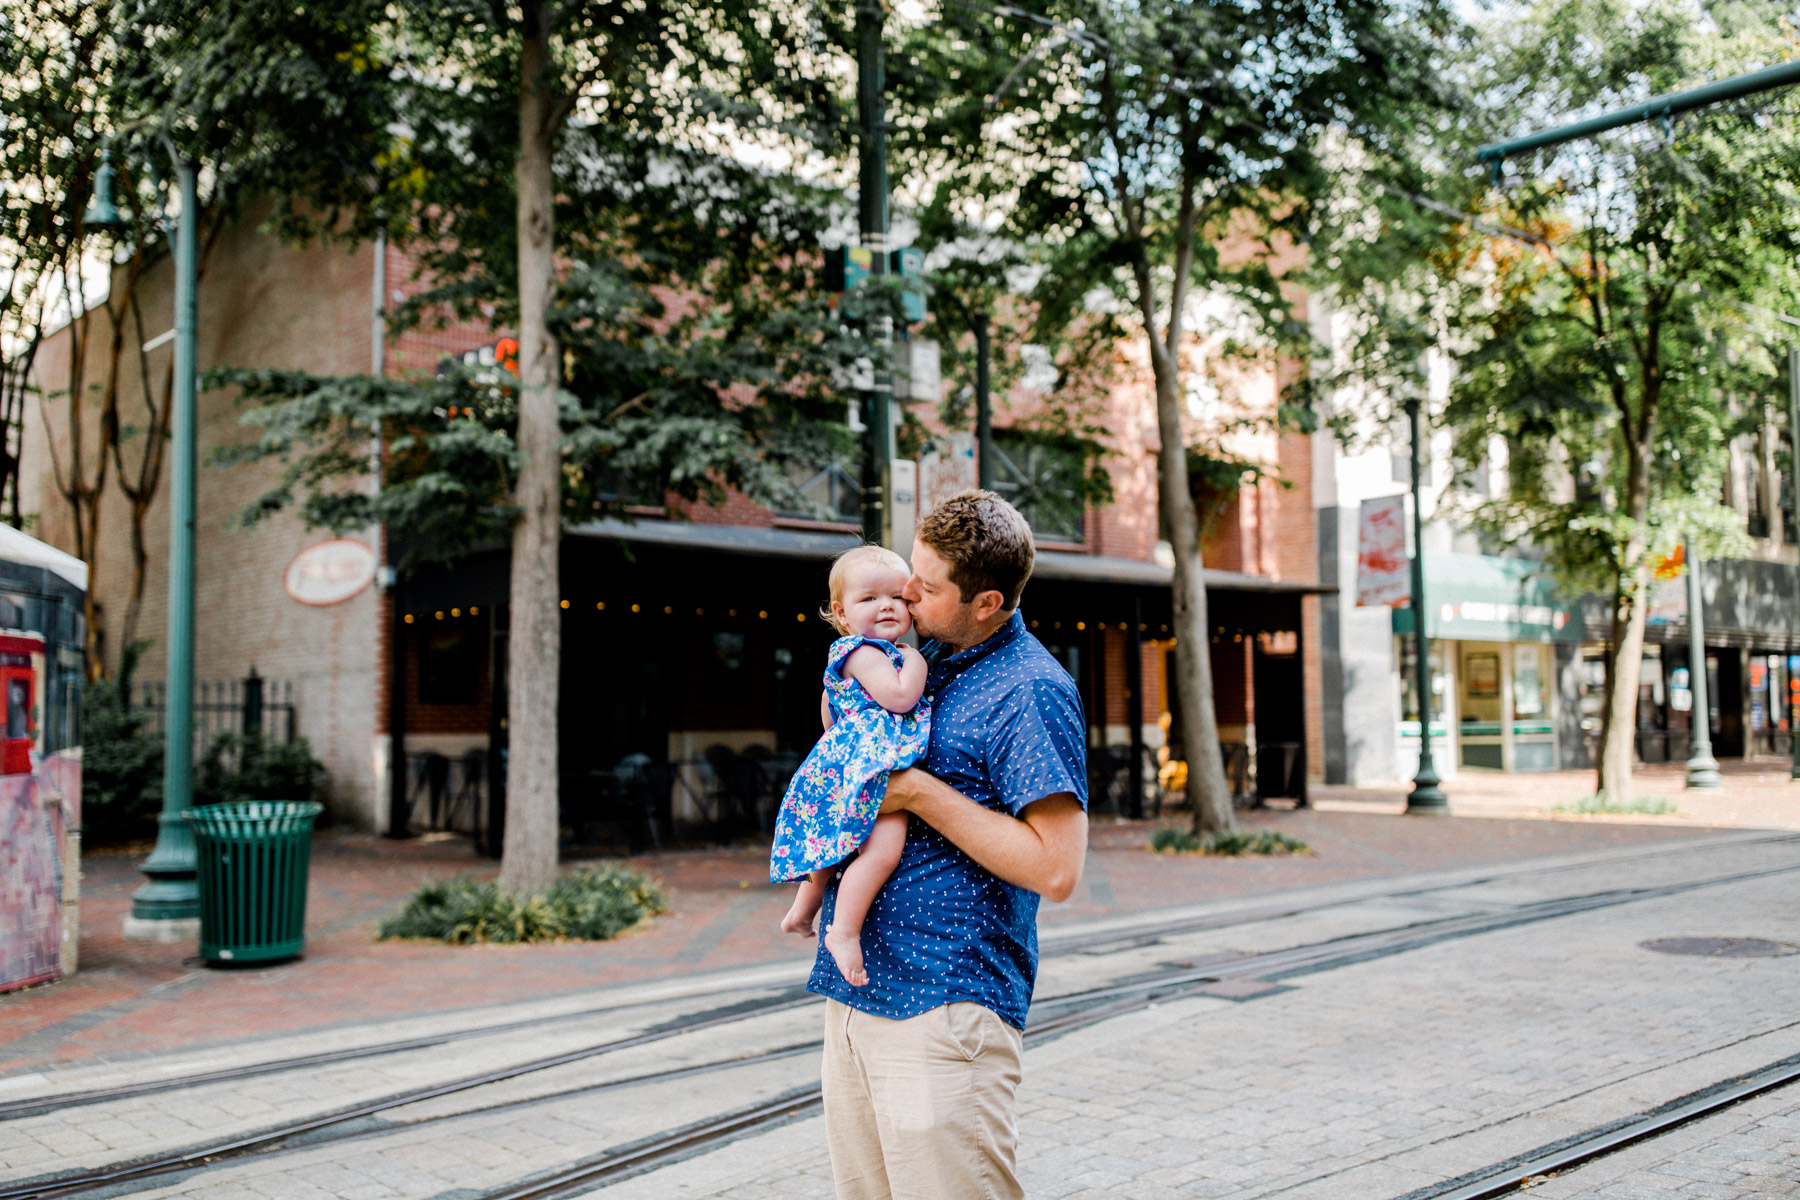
580,172
1160,153
1595,308
269,98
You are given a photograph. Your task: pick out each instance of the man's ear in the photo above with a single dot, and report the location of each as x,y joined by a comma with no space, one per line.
987,604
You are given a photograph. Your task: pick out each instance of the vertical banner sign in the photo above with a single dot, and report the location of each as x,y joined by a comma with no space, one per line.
1382,579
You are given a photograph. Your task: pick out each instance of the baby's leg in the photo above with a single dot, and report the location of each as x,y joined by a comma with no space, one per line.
799,919
863,878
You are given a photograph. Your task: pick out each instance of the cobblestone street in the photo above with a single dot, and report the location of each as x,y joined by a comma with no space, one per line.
1412,1027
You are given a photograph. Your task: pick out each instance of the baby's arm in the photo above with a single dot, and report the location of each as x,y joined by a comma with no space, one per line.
825,709
896,691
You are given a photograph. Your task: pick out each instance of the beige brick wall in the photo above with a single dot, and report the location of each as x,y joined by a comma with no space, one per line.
260,303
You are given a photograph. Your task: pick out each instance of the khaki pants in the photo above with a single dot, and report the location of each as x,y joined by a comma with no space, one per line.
922,1109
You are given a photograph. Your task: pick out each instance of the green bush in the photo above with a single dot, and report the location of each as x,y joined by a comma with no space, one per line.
241,766
121,768
588,904
1169,840
1650,806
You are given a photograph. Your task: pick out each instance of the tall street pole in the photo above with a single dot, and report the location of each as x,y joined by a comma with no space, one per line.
1702,768
167,908
1794,499
984,405
1427,796
872,213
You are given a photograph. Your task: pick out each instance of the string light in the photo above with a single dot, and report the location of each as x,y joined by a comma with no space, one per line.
440,614
600,605
634,608
1081,625
563,603
409,618
763,614
667,610
731,612
456,612
799,616
699,612
473,611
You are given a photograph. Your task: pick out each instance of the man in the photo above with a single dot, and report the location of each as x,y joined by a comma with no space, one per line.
922,1065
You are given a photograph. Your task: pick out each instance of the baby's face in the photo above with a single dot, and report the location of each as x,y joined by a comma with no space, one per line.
872,605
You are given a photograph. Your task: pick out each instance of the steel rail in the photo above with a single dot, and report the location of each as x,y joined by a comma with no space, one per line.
664,1150
1125,937
1126,996
1517,1173
239,1146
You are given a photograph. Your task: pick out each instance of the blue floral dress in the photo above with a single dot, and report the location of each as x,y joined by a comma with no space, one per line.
835,796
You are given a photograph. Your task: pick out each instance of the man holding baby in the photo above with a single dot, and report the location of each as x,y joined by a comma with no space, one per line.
922,1064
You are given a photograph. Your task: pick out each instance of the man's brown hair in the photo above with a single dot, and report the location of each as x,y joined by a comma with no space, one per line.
984,541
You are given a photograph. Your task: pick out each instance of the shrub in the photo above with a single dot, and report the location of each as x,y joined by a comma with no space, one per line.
1169,840
588,904
242,766
121,768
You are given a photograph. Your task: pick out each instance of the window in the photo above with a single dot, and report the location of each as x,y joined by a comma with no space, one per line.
1042,476
451,656
18,708
832,492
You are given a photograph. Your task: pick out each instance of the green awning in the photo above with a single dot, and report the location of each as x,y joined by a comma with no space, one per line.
1482,598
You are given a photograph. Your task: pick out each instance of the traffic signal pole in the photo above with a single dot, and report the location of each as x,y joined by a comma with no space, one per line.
1794,497
872,206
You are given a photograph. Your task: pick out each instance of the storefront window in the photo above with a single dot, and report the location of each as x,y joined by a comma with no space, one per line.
1042,476
1531,681
830,492
1409,676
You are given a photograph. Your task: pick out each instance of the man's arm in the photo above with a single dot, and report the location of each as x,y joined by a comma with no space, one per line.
1042,850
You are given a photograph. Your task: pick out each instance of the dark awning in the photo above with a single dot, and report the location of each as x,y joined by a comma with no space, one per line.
819,544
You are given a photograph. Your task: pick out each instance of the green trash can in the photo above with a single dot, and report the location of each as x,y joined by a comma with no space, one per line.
253,857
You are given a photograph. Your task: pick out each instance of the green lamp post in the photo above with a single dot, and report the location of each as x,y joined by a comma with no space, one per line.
1427,796
167,907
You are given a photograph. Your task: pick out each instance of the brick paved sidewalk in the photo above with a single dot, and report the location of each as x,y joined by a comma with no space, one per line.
1757,794
134,997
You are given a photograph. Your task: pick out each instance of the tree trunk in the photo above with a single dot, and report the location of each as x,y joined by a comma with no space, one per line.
1208,794
528,857
1618,735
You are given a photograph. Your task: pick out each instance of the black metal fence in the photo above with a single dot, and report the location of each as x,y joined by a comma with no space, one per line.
249,705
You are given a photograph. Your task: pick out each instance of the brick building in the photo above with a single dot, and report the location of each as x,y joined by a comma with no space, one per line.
688,629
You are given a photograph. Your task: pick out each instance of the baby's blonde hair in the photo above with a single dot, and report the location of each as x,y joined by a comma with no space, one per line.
840,576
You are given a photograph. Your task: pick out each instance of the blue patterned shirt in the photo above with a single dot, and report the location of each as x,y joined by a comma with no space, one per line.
1007,730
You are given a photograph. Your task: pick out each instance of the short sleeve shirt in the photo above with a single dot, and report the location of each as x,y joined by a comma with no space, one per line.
1007,731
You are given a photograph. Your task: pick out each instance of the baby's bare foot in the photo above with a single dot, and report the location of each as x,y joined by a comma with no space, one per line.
846,950
797,923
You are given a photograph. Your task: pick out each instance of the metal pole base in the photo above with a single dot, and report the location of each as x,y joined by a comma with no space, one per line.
173,893
1427,797
1703,773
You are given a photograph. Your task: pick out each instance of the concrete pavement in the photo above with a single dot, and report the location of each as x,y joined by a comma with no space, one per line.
1378,1078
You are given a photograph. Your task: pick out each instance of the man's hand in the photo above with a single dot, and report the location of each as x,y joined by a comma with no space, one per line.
1043,849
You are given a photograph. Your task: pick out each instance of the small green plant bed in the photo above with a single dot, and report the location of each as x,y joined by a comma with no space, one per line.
1169,840
1645,806
591,904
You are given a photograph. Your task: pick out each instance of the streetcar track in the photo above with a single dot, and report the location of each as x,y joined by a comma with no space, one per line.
1516,1173
1090,1006
1108,941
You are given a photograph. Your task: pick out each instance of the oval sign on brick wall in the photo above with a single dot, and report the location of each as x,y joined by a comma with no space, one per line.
330,572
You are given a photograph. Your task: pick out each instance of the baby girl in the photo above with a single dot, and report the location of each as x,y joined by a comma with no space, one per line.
876,721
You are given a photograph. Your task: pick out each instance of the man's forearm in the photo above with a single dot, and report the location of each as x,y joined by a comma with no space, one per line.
1042,851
